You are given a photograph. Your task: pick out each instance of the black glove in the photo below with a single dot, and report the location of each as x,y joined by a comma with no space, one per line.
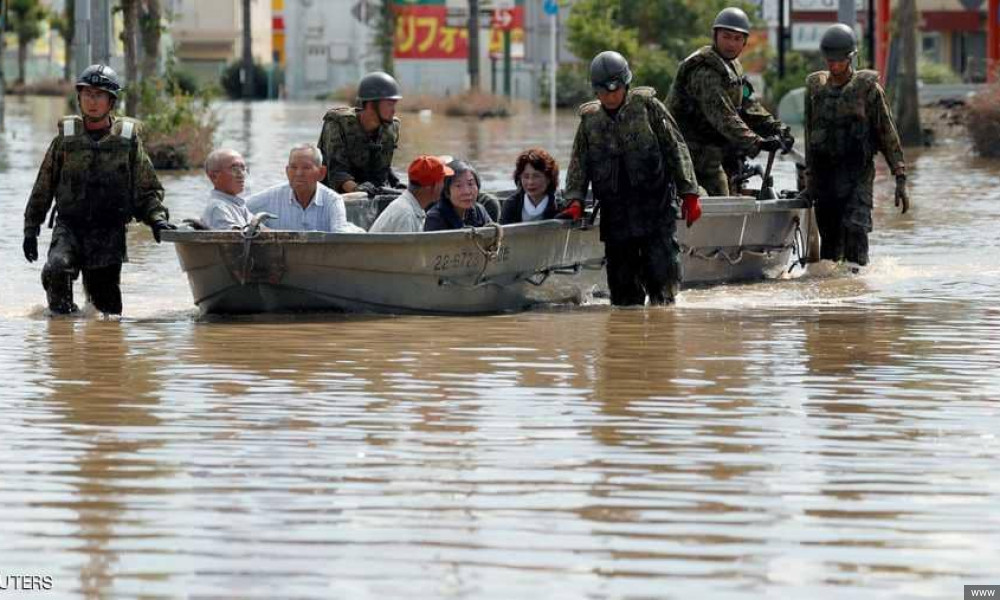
368,188
30,247
771,144
902,197
159,226
787,140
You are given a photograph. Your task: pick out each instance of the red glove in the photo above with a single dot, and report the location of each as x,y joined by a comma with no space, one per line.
574,211
691,208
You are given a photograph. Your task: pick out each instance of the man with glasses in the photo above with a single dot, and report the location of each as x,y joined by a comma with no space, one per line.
226,208
628,146
100,177
714,104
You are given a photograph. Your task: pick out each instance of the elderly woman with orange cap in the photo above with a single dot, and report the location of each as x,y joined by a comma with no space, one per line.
459,205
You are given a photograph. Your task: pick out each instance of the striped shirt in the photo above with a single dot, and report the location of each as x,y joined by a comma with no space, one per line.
225,212
326,211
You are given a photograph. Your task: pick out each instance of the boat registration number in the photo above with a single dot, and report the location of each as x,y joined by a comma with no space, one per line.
465,260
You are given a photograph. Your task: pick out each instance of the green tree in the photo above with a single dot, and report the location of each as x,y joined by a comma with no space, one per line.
65,25
655,35
26,19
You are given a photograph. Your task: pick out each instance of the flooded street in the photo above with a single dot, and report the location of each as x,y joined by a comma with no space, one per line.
830,436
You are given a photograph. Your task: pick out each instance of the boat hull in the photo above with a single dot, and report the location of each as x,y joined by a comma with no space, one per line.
465,271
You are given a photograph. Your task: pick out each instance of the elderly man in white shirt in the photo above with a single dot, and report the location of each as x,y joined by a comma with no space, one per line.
407,213
227,171
304,204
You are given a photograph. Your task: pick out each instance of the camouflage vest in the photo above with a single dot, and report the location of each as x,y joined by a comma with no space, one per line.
683,103
368,159
96,182
628,135
840,128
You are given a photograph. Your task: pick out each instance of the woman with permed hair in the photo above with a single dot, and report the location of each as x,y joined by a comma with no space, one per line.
536,175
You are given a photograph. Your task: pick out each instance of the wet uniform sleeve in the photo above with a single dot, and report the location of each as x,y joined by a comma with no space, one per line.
148,200
887,138
807,122
577,177
758,118
675,151
334,147
43,191
707,88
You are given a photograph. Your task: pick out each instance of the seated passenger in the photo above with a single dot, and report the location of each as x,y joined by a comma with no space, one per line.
458,206
227,171
303,204
407,213
536,175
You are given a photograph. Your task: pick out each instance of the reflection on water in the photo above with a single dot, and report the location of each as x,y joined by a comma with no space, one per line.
828,436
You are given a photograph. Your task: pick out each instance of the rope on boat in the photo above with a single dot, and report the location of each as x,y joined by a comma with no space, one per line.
249,232
490,250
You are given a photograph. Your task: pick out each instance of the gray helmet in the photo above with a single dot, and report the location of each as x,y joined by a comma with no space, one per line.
378,85
732,18
838,43
609,70
101,77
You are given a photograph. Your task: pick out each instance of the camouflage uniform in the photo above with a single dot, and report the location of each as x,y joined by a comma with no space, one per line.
99,185
637,162
719,115
351,154
845,126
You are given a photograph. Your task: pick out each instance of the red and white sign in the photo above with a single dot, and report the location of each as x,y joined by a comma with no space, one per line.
503,19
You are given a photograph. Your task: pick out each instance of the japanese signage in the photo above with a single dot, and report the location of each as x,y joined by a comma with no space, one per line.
422,31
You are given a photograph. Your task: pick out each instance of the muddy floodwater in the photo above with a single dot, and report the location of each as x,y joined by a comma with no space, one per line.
827,436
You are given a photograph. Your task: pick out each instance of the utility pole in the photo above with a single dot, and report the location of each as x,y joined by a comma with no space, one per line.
100,21
870,35
781,38
907,101
3,82
248,83
473,30
81,35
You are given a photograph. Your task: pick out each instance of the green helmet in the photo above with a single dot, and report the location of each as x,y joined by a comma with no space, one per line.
101,77
838,43
378,85
734,19
609,70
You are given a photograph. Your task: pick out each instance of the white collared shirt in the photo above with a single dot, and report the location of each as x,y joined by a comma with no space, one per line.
403,215
225,212
326,211
530,212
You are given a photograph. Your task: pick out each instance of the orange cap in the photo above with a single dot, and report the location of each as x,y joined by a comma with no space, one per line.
428,170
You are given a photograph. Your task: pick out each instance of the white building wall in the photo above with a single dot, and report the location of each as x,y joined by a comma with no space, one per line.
326,47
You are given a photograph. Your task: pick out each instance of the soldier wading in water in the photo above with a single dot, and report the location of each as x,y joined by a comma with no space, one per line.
846,123
101,178
628,146
358,143
715,107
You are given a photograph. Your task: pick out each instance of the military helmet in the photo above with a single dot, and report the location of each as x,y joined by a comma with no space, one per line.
378,85
838,43
101,77
734,19
609,70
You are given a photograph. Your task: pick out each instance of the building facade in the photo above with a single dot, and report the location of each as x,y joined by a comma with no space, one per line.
208,36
